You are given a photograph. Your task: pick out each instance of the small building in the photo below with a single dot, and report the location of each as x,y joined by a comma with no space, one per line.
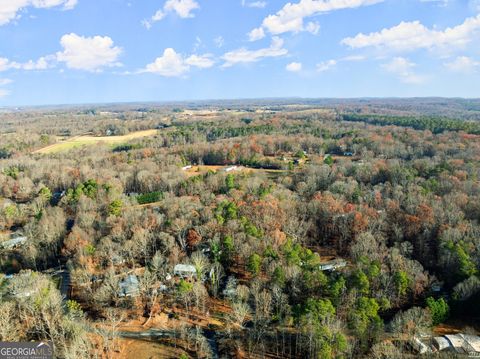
419,346
441,343
333,265
184,271
230,168
16,239
129,287
462,344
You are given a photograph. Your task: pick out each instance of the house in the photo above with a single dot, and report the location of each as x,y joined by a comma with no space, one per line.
16,239
230,169
184,271
129,286
462,344
419,346
441,343
333,265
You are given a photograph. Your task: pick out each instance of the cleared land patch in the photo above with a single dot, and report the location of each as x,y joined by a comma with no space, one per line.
79,141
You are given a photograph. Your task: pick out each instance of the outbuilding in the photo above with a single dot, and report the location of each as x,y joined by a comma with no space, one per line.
185,270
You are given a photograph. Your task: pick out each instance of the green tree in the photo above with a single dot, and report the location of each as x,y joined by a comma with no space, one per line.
328,160
439,309
361,282
401,281
115,208
230,182
254,264
45,193
364,319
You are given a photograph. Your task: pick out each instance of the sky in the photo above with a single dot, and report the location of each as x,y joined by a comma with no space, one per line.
98,51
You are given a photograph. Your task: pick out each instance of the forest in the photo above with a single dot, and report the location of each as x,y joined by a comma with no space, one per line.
243,229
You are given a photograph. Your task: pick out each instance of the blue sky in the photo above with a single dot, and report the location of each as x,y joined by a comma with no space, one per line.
91,51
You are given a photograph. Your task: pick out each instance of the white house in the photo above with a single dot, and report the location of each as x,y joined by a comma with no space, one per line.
460,343
230,169
333,265
15,240
184,270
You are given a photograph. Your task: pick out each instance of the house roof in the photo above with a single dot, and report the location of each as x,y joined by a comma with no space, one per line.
441,343
13,241
464,342
185,268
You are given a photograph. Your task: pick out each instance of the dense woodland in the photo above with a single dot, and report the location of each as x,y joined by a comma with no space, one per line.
394,194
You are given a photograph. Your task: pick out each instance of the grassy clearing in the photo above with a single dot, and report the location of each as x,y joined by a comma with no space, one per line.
201,170
79,141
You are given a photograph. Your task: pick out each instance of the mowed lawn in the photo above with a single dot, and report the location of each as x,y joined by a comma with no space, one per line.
79,141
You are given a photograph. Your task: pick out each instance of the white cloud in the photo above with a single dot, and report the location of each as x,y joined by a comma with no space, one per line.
353,58
159,15
254,4
5,64
294,67
42,63
10,9
173,64
403,69
313,27
183,8
326,65
219,41
441,3
70,4
291,17
244,55
170,64
256,34
463,64
88,53
201,61
409,36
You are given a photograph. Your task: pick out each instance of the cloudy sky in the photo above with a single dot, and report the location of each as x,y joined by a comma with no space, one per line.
91,51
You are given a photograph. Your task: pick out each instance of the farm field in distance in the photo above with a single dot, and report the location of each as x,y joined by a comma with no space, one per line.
78,141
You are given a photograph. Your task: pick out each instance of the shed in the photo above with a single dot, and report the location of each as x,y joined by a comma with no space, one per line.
15,240
419,346
464,343
473,341
129,286
184,270
441,343
231,168
333,265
